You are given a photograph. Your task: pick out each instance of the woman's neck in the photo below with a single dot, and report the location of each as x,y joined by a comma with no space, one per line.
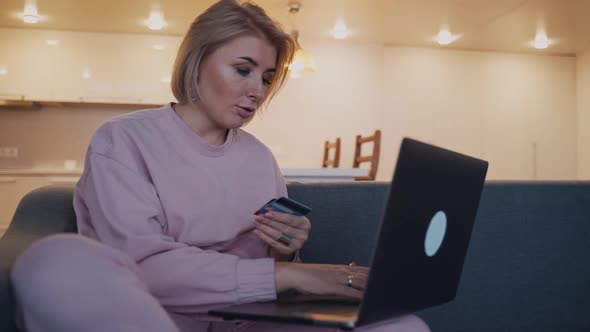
200,124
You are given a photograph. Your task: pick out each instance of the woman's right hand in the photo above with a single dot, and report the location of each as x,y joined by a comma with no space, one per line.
321,279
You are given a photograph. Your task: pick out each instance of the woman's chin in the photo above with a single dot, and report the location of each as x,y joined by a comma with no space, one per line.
240,122
248,120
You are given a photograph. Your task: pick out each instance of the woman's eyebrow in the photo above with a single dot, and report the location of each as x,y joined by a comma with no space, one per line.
255,64
249,59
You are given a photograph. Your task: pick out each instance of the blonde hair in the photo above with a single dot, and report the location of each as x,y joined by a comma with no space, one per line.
220,23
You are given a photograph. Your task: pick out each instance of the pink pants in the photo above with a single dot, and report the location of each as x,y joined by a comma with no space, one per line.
68,282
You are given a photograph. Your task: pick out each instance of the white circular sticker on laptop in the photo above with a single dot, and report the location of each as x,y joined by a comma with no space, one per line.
435,233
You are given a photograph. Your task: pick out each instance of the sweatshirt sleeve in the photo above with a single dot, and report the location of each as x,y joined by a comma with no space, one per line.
124,212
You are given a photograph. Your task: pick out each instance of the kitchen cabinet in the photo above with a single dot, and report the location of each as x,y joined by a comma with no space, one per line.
85,67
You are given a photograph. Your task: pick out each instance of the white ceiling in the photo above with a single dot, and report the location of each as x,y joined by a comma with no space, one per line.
497,25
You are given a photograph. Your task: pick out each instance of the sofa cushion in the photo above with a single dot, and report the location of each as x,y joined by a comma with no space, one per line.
527,266
344,220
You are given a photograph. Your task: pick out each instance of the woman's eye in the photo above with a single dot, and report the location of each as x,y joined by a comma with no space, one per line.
267,79
244,71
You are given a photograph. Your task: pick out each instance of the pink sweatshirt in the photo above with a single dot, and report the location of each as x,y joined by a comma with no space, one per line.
181,208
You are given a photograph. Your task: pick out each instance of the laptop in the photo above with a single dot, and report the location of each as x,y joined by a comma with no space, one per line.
420,250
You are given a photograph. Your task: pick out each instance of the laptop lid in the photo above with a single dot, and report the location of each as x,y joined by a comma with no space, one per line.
421,244
424,234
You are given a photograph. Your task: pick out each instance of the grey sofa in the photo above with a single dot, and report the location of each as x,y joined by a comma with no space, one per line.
527,268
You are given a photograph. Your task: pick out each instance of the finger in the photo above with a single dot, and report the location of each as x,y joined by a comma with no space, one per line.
358,275
350,291
338,288
270,231
356,281
280,247
268,224
345,269
359,269
289,219
283,228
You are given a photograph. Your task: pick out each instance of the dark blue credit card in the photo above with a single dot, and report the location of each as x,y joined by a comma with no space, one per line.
284,205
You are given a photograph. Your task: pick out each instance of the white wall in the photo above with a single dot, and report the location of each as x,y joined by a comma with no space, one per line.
342,99
490,105
583,121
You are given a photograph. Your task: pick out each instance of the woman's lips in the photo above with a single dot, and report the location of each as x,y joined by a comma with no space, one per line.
245,112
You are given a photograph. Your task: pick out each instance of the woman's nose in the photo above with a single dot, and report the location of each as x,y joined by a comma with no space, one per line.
256,90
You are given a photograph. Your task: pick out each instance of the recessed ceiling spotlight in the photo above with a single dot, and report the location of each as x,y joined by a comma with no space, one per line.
156,20
444,37
52,42
541,41
159,47
30,13
340,31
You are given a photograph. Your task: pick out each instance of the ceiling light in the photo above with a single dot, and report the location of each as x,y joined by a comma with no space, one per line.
166,78
444,37
156,20
30,14
302,61
159,47
340,31
541,41
3,71
52,42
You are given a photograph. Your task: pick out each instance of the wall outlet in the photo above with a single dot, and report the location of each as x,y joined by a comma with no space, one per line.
9,152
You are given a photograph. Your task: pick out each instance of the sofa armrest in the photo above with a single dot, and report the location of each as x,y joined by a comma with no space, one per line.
42,212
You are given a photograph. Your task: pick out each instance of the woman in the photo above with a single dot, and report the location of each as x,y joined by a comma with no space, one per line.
167,199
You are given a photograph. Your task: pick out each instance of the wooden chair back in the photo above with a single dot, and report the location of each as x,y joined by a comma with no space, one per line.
372,158
328,148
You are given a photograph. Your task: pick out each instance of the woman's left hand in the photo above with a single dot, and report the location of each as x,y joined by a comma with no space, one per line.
284,233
